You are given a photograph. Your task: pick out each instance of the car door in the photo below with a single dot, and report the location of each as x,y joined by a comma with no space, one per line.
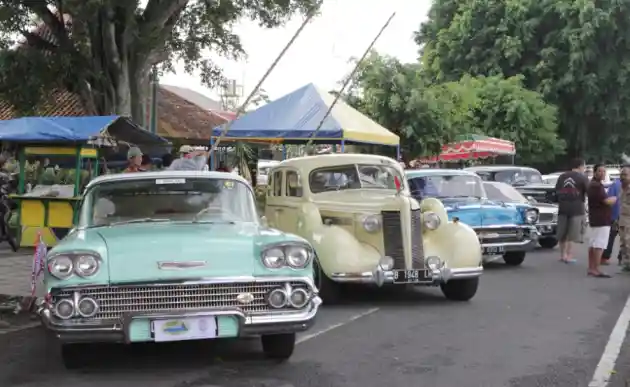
274,198
291,201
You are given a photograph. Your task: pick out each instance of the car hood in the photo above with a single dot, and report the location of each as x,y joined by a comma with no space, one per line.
133,251
482,213
367,199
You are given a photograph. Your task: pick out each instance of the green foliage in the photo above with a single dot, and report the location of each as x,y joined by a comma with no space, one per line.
426,115
104,50
575,53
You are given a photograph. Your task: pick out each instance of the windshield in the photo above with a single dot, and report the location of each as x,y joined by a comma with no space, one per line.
353,176
518,176
504,193
447,186
168,199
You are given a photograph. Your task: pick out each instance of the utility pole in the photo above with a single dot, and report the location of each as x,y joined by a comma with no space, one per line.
154,103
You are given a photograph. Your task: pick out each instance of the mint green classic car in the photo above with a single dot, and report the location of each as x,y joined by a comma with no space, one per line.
171,256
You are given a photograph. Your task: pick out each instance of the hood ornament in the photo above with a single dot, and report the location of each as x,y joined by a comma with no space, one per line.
180,265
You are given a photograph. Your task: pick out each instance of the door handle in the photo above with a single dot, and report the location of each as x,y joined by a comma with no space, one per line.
279,209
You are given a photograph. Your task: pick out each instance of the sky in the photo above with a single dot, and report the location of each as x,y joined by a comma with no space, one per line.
322,52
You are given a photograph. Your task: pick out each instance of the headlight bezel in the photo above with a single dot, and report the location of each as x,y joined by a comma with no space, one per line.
73,257
431,220
375,219
533,219
286,248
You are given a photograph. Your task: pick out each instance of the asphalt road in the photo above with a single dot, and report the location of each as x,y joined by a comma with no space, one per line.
542,324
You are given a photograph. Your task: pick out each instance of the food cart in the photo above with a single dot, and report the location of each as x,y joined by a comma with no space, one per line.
50,209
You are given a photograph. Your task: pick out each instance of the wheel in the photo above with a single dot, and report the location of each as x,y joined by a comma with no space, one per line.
280,346
548,243
74,356
460,290
329,290
514,258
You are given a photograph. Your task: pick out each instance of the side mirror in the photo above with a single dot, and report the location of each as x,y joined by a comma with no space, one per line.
264,221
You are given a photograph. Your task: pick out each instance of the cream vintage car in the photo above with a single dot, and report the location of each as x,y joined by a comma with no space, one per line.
357,212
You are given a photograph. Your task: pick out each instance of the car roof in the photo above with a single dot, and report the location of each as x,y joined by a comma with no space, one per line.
490,168
318,161
165,175
438,172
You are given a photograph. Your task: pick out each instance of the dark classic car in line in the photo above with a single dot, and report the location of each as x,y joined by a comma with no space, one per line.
548,213
526,180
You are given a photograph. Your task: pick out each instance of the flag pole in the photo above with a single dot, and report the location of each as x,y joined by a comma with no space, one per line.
243,106
348,80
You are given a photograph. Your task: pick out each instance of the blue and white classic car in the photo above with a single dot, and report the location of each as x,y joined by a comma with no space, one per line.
504,231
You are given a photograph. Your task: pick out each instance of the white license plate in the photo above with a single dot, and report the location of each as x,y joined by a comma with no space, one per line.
493,250
188,328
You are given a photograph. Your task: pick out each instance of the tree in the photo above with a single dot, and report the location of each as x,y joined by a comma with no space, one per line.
576,54
392,93
103,50
429,116
503,108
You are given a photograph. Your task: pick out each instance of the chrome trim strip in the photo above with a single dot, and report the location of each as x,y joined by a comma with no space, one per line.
180,265
195,281
508,244
498,226
379,276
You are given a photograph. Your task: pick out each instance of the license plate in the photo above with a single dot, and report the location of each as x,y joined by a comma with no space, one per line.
493,250
411,276
188,328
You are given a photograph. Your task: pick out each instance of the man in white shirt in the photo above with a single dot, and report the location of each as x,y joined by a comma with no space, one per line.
190,160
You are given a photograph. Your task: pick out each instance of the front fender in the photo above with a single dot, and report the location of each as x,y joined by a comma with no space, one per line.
338,251
455,243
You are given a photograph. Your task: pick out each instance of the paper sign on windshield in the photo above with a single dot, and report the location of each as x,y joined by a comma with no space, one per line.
170,181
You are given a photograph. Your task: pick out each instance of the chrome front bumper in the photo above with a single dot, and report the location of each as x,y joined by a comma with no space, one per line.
528,243
77,331
546,229
379,276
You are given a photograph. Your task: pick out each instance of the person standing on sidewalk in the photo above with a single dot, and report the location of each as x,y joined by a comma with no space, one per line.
624,218
600,219
571,189
613,191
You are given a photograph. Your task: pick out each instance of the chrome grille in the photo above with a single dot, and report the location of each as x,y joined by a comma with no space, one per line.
114,301
393,240
545,218
501,235
417,249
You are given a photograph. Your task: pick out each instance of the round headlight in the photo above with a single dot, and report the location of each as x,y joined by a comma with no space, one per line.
64,309
278,298
299,298
297,256
61,267
87,307
86,265
431,220
531,216
372,223
274,258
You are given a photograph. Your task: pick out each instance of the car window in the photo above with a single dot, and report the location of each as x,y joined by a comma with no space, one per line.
354,176
293,185
277,184
447,186
504,193
176,199
514,176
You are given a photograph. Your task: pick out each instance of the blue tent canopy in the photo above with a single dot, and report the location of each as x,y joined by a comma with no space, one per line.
296,116
74,129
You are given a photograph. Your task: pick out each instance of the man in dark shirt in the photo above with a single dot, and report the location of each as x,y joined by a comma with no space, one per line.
571,190
600,220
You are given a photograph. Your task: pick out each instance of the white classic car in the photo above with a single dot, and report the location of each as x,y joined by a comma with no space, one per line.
357,212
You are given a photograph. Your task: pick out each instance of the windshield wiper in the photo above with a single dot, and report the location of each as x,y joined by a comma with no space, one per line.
140,220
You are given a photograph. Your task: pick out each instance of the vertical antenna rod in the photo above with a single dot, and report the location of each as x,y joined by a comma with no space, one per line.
241,109
348,80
